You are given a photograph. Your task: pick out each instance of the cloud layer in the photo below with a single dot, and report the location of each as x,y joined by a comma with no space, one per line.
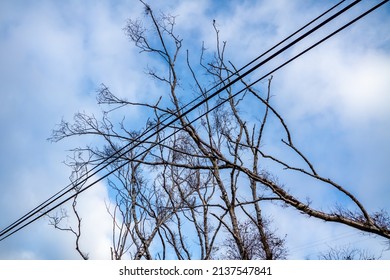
54,55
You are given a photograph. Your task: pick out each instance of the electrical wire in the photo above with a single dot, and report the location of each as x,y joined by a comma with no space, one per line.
171,122
74,185
205,100
322,241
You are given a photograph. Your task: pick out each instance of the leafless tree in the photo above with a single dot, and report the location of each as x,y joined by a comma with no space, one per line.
347,253
198,189
59,220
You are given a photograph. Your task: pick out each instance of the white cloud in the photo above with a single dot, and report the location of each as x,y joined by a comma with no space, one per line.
46,74
55,54
96,224
353,86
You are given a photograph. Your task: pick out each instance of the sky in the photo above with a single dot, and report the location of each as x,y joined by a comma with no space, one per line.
55,54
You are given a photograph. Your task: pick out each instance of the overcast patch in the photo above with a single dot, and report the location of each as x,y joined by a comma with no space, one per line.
56,54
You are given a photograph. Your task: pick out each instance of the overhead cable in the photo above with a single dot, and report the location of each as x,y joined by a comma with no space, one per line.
20,221
138,139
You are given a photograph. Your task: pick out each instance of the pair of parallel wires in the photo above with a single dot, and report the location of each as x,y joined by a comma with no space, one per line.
60,197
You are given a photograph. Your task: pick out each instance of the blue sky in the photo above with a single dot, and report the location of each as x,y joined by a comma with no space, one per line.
55,54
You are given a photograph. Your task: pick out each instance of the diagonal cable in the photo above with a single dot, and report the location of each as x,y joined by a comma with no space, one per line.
188,111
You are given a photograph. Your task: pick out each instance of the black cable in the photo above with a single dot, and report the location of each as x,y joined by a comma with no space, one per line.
36,210
21,220
73,185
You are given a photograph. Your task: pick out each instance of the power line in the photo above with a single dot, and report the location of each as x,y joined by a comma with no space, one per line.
322,241
138,139
202,102
74,185
171,122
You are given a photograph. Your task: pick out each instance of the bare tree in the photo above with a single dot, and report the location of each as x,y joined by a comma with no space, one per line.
347,253
198,189
254,243
59,220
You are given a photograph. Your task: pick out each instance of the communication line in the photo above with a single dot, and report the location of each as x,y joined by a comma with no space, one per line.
74,185
193,108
